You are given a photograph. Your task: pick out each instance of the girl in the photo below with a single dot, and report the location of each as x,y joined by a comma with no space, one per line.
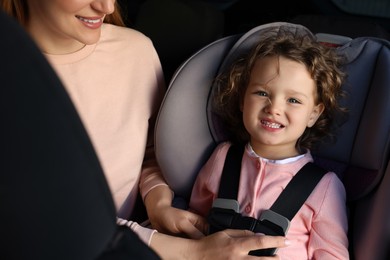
279,100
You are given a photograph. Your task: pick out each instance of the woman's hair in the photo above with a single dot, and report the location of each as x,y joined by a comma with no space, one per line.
19,10
322,63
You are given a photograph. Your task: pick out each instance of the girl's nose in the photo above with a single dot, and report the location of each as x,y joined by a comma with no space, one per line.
273,107
104,6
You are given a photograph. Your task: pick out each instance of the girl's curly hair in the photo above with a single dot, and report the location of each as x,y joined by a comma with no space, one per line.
322,62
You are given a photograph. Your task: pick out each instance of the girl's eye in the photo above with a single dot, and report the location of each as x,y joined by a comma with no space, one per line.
262,93
294,101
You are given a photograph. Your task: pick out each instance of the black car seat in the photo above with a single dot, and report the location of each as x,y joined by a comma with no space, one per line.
54,200
187,131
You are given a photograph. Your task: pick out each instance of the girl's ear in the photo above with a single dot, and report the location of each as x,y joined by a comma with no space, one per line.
315,114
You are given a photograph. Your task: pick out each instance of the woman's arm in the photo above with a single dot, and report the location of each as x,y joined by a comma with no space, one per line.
228,244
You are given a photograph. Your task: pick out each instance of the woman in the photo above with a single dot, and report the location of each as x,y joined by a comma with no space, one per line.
114,77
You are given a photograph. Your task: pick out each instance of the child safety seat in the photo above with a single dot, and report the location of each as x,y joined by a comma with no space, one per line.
187,131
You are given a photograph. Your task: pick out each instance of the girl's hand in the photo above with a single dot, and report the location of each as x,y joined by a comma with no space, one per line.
170,220
179,222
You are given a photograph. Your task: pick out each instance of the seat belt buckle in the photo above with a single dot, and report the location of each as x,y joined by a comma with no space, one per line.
271,223
222,214
225,214
280,223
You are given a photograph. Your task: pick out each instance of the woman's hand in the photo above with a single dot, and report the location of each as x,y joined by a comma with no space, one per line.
228,244
236,244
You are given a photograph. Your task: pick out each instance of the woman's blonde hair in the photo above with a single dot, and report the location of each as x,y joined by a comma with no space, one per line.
19,10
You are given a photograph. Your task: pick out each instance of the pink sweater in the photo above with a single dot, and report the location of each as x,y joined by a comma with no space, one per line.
117,85
318,231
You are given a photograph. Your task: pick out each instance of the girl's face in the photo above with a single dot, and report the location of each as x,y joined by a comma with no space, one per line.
278,105
65,26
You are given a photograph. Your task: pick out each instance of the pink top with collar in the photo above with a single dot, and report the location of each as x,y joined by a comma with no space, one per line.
318,230
116,86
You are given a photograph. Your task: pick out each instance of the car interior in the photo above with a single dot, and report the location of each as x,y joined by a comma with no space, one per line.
195,40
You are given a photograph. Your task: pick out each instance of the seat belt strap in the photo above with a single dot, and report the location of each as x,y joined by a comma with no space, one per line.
228,187
290,200
298,190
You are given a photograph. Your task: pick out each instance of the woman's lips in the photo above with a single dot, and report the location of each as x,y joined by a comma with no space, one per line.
91,22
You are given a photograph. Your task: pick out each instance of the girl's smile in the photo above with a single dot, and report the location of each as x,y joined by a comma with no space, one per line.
270,125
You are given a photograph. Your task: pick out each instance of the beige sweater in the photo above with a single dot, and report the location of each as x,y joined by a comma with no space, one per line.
116,86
